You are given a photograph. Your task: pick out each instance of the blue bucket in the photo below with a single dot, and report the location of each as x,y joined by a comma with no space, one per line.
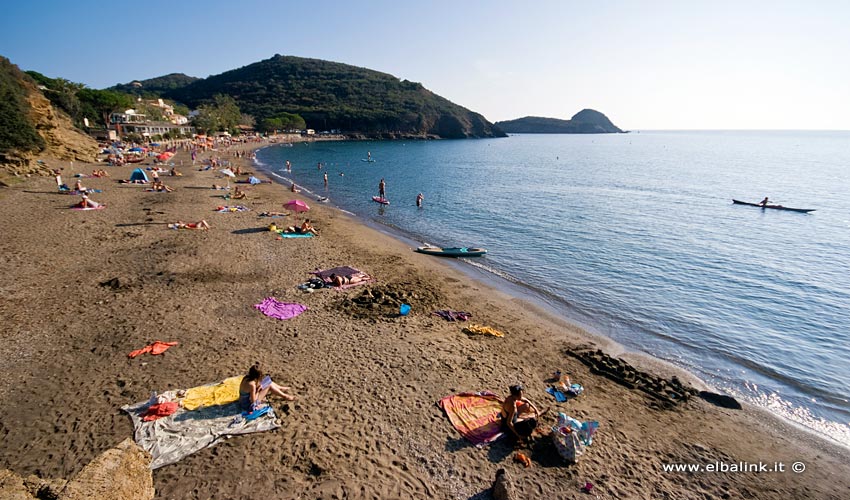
404,309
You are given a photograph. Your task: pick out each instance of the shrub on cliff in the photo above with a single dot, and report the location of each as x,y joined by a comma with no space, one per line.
17,132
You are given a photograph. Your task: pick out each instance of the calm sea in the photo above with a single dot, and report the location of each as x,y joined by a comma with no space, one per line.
636,236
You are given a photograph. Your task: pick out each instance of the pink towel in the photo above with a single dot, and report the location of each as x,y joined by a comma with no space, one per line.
280,310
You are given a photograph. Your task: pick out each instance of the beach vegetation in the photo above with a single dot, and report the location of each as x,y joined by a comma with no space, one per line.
17,132
220,114
81,102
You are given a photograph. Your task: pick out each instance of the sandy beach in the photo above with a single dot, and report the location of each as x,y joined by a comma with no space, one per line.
82,289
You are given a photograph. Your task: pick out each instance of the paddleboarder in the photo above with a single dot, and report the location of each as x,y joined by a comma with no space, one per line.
382,188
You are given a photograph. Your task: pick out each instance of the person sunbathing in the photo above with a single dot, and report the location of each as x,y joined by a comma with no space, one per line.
255,387
78,186
348,280
85,202
159,186
201,224
272,214
238,194
175,173
216,186
519,415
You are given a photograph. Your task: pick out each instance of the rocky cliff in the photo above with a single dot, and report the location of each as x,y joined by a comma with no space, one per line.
26,109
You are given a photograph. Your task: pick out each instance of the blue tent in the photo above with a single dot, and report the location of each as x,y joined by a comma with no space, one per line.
139,175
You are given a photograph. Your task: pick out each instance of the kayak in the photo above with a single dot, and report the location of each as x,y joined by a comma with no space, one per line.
382,201
452,251
777,207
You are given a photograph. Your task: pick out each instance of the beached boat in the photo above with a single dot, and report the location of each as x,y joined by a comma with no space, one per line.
776,207
452,251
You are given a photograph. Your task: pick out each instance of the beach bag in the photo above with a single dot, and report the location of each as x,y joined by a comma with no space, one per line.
571,437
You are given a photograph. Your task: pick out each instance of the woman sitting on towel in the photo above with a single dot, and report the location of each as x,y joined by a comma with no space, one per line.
85,202
238,194
306,227
254,389
519,415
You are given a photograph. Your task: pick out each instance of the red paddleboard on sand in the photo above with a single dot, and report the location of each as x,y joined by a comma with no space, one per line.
382,201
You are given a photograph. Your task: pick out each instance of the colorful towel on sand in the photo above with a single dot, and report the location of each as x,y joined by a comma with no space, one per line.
157,347
475,415
280,310
449,315
228,208
281,234
482,330
226,391
169,439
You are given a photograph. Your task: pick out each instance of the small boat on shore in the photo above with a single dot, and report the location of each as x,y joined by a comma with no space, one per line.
452,251
775,207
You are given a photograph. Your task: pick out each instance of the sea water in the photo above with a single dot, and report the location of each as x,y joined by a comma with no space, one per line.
636,236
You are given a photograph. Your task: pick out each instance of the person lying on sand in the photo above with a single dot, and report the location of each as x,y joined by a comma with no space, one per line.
78,186
216,186
159,186
519,415
201,224
273,214
99,173
348,280
132,181
254,389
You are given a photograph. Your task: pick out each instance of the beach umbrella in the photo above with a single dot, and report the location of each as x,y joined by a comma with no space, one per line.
296,206
137,150
227,172
165,156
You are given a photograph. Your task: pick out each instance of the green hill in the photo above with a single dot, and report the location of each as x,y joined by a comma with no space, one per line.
586,121
155,87
331,95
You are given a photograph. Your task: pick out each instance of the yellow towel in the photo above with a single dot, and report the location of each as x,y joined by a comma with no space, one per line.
482,330
226,391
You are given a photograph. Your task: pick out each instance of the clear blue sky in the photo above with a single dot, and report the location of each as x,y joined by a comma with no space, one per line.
647,64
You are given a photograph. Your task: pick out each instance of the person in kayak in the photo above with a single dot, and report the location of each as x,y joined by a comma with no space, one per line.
764,202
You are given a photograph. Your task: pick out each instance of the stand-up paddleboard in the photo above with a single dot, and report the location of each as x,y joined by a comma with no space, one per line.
452,251
382,201
367,160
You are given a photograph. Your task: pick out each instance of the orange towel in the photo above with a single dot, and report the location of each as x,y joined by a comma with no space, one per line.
157,347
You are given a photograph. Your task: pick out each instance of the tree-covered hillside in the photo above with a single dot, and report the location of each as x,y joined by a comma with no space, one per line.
17,129
332,95
155,87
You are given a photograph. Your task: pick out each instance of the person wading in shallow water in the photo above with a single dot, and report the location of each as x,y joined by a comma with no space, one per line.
419,198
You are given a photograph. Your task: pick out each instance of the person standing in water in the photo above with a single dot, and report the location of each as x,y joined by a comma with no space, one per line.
369,155
288,166
419,198
382,188
326,179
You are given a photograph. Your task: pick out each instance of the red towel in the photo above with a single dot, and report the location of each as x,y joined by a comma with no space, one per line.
157,347
159,410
